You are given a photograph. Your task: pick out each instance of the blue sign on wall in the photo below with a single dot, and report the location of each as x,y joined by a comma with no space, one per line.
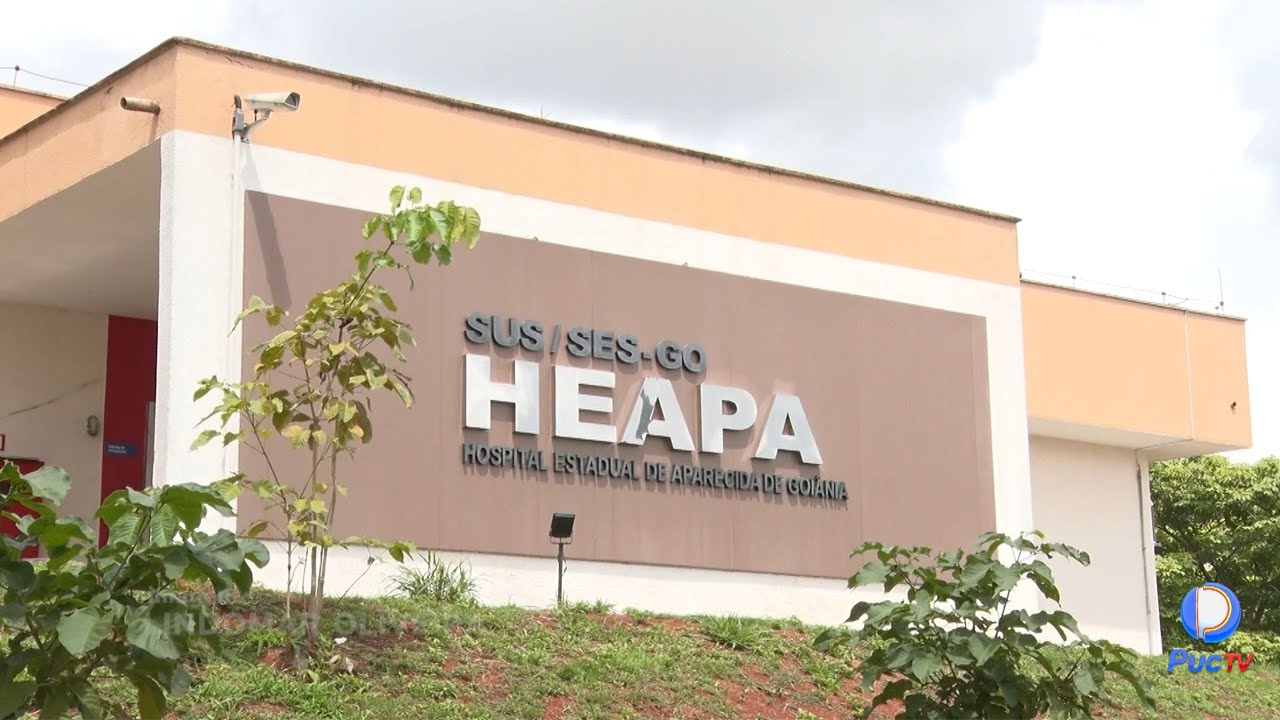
122,449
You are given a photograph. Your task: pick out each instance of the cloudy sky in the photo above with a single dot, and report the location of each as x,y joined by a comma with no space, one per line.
1139,140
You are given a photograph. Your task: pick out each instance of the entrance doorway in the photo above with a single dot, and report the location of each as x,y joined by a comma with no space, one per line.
128,423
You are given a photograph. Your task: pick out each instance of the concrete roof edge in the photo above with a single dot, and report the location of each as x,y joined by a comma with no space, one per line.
476,107
1110,296
129,67
37,93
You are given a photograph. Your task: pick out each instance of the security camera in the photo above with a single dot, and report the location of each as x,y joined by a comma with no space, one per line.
262,105
268,102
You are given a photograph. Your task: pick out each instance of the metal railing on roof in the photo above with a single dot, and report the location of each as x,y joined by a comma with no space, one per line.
1155,297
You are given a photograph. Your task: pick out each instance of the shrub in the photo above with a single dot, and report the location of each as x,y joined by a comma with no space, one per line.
90,613
1264,646
955,648
738,633
436,580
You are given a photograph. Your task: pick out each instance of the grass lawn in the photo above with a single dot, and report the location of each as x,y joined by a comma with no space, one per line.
422,660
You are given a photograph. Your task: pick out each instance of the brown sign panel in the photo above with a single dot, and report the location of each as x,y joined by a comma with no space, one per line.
896,397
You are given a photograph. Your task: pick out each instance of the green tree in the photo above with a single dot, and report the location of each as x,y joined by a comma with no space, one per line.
1218,521
954,648
90,613
311,385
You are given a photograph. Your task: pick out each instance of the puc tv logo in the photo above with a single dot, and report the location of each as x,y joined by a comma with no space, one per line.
1210,613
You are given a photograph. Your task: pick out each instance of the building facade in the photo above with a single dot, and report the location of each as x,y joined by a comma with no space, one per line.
730,374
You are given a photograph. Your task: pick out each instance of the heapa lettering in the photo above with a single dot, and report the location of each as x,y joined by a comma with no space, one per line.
653,412
656,411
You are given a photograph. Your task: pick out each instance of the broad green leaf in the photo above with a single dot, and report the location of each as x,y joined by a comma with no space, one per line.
205,387
1062,619
417,228
16,575
255,552
1005,578
982,648
831,638
140,499
1084,682
203,439
899,656
9,473
974,573
176,561
83,630
471,222
959,654
402,390
257,528
12,614
54,534
1042,576
15,695
56,705
859,609
88,702
188,502
870,574
243,578
50,483
925,665
444,254
881,611
396,196
124,529
149,634
1136,681
164,526
370,227
892,691
223,548
151,700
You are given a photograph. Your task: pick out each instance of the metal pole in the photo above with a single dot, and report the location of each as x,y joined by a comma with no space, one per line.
560,574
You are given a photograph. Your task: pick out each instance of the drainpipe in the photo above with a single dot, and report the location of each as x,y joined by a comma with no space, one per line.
235,292
1147,529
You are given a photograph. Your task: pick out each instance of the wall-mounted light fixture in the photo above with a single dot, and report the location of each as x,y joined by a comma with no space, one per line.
92,425
561,534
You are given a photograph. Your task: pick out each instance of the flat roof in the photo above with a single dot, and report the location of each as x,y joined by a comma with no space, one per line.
1138,301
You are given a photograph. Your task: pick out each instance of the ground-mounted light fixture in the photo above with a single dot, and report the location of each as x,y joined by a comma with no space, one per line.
262,105
561,534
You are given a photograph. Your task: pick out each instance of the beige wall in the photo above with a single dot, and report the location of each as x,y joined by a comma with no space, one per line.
1105,362
87,134
18,107
1073,481
52,378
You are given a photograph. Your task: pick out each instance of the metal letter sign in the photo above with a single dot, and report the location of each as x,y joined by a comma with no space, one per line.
655,412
